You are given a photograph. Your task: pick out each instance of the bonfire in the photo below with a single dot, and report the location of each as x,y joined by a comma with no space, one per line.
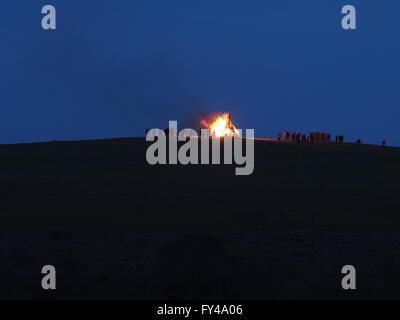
221,126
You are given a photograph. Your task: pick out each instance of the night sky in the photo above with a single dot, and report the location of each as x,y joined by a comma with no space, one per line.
114,68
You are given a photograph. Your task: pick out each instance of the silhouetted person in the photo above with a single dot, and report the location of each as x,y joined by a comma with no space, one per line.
383,143
340,139
358,141
279,136
336,139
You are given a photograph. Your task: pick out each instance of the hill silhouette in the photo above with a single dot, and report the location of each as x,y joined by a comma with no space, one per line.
115,226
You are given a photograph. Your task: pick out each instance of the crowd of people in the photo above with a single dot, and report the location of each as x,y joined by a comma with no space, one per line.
313,137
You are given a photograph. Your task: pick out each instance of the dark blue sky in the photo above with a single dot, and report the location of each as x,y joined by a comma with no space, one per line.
114,68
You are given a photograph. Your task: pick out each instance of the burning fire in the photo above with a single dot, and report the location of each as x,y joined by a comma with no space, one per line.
222,126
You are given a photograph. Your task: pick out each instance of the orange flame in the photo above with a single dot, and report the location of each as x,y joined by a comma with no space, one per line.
222,126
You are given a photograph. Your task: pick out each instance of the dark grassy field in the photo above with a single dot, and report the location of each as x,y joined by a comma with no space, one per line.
117,227
107,185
